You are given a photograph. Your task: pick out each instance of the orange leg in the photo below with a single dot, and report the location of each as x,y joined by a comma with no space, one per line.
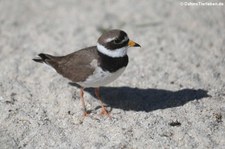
104,111
82,102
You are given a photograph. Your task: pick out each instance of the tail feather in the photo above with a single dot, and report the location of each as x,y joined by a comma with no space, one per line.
37,60
43,58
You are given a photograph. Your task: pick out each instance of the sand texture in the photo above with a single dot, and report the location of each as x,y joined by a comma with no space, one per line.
171,95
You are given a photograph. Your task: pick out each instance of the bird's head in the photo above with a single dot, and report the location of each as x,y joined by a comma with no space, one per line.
114,43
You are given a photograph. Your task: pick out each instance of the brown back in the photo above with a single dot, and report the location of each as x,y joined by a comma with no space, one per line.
75,66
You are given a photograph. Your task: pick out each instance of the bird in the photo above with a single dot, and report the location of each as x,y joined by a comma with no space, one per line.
94,66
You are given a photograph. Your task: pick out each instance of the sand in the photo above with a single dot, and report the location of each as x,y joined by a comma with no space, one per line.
172,94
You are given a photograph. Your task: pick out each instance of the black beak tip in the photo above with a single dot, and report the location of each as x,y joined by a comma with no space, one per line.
137,45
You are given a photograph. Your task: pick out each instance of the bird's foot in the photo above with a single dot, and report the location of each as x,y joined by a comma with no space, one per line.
86,114
105,112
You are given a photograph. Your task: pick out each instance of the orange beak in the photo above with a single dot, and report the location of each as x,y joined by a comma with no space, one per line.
133,44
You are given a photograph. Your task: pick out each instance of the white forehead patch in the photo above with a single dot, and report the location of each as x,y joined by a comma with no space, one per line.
110,39
125,39
112,53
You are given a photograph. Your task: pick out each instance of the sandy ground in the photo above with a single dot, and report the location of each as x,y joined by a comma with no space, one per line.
172,94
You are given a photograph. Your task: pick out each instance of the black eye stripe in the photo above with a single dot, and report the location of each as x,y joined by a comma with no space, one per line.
120,40
114,40
117,40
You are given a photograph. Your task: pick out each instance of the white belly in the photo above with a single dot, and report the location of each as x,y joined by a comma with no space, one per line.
101,78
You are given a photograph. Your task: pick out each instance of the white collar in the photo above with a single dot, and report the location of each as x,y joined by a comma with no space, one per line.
112,53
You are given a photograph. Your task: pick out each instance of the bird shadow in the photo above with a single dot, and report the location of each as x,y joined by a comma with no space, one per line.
147,100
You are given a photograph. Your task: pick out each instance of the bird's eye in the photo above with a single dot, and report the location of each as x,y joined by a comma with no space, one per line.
116,41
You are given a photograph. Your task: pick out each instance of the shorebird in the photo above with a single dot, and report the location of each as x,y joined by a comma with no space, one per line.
94,66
